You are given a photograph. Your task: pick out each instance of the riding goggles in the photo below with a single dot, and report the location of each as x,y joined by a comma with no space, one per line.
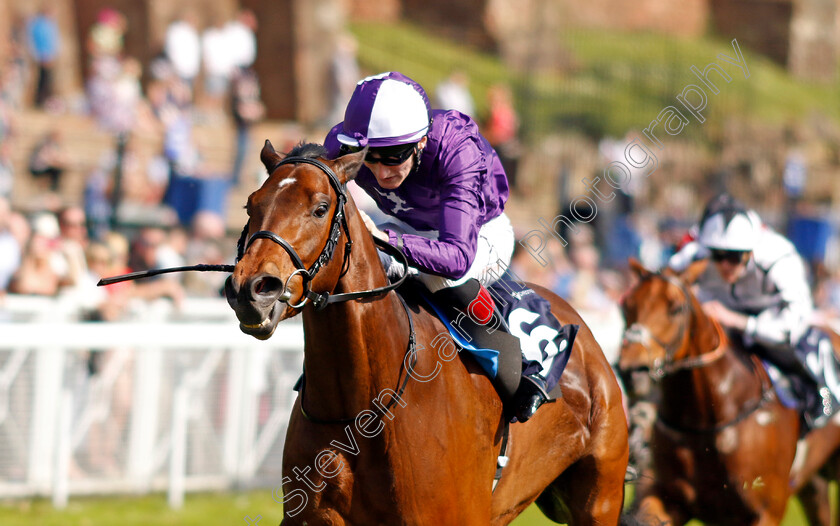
730,256
388,156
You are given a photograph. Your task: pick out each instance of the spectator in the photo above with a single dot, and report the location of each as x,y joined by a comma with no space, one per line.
121,118
19,228
208,229
501,128
7,171
36,273
16,70
7,118
108,303
96,197
70,262
44,45
145,256
242,38
10,249
454,94
118,248
172,250
106,35
183,47
48,160
247,109
218,58
586,290
344,73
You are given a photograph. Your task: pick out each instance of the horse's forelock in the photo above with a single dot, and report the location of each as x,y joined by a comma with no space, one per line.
309,150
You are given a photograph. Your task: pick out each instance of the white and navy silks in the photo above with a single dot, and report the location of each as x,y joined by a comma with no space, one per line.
773,292
775,295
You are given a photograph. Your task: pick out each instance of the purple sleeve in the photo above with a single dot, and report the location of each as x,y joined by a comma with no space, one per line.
453,252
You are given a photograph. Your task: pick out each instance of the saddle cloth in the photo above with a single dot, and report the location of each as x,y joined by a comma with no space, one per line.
815,350
546,343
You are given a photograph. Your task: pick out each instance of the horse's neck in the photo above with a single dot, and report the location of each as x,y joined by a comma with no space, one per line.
354,349
705,334
716,386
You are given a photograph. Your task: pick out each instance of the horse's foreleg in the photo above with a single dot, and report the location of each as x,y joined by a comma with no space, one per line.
813,452
597,480
815,501
652,512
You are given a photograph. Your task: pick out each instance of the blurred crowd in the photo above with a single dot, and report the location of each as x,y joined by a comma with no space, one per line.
204,74
54,245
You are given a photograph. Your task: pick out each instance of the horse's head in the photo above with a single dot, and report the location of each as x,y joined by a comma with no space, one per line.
658,313
295,221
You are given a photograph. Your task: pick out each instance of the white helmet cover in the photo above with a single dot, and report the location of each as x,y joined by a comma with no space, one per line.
386,110
729,231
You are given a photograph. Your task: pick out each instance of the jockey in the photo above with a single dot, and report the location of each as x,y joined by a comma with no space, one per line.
758,288
444,184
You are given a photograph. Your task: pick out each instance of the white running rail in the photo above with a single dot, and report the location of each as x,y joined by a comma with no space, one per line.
172,399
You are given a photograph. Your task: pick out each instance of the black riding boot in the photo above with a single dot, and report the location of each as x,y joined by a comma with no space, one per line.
472,313
805,386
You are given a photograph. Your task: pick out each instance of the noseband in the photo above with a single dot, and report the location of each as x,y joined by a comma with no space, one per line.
641,334
339,221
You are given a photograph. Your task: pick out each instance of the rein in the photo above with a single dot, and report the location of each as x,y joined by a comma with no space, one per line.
380,411
639,333
339,222
766,396
319,300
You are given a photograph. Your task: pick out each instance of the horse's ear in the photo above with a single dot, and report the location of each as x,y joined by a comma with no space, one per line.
637,267
268,156
347,166
694,271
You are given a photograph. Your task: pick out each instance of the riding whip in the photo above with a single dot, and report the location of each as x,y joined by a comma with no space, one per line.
154,272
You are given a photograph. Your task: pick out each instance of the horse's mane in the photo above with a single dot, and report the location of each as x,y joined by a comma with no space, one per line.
309,150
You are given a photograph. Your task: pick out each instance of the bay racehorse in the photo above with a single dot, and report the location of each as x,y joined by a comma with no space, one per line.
388,428
722,444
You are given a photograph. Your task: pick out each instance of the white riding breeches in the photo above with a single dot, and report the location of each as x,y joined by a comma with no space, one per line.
494,249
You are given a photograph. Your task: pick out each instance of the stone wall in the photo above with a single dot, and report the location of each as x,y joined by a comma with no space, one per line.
367,10
814,39
462,20
683,18
761,25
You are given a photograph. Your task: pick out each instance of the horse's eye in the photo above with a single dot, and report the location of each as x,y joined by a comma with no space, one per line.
321,211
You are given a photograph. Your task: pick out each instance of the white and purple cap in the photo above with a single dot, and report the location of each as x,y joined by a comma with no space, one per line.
385,110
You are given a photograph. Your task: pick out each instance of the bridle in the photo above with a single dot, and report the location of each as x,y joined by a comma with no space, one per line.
322,299
319,299
641,334
339,221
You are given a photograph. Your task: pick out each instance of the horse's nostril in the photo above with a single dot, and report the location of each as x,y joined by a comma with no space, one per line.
266,286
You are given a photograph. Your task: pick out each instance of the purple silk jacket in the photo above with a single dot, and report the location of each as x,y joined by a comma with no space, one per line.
459,187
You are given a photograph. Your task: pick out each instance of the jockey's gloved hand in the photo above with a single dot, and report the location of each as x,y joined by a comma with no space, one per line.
393,268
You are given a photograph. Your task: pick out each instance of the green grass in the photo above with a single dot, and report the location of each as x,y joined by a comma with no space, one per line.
616,81
206,509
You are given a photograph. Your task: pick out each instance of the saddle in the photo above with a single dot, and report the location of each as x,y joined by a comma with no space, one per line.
546,344
814,388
